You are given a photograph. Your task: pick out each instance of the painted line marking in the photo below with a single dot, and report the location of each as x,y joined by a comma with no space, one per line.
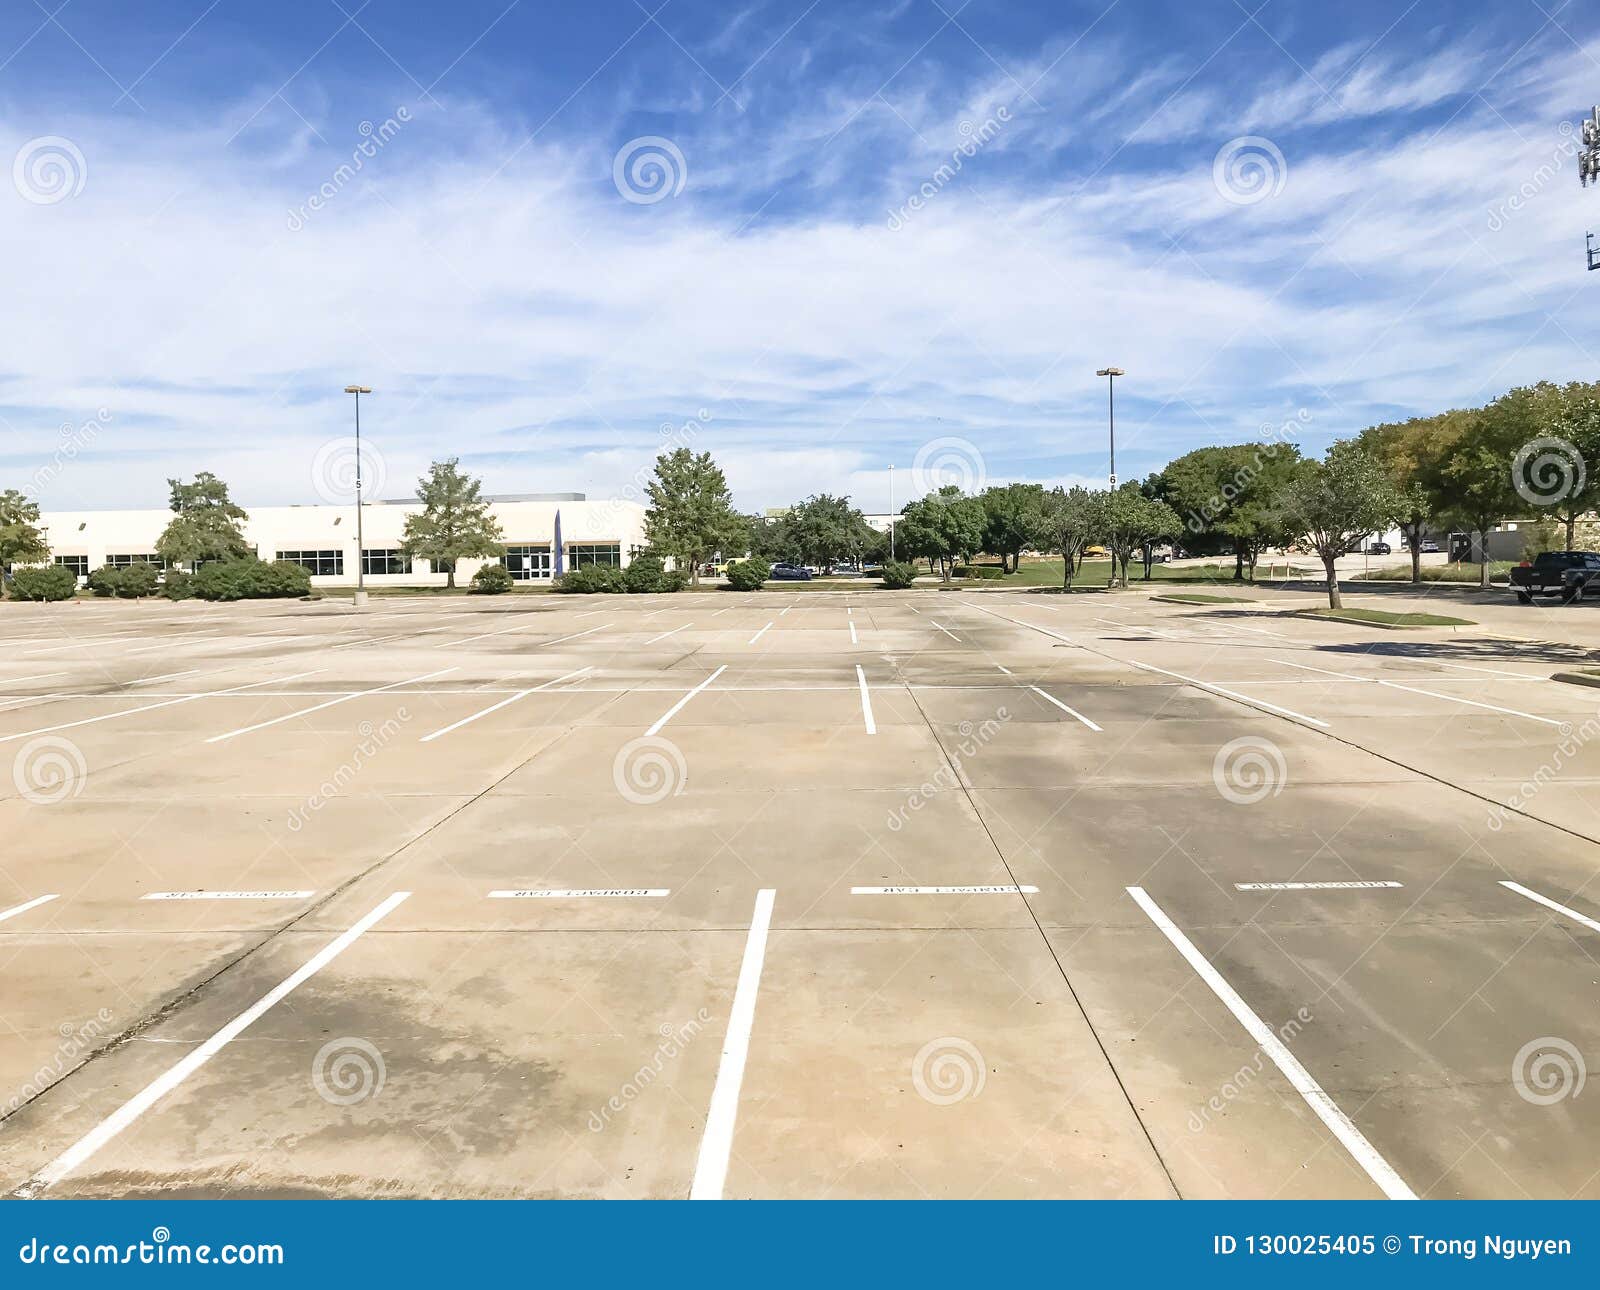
1034,627
1326,1109
522,627
947,632
1231,694
664,635
1491,671
854,640
716,1145
1071,712
84,644
37,676
1006,670
866,701
759,634
1134,627
26,906
577,893
678,706
170,676
318,707
158,1088
1311,886
944,891
1411,689
504,703
1534,896
228,895
151,707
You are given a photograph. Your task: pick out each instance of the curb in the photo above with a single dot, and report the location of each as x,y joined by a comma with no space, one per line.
1578,678
1383,627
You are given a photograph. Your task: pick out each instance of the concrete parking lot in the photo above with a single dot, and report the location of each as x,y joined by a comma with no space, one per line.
797,894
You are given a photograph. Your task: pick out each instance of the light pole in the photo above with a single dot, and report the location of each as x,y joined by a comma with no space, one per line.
891,514
1111,374
361,564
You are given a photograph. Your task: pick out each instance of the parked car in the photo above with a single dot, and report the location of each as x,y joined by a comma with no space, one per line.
783,571
1430,547
1379,548
1095,552
1556,573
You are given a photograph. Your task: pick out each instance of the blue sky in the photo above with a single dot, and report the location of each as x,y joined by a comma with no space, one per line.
873,228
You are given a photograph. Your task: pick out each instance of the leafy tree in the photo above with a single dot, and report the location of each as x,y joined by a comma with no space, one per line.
945,526
1578,423
454,523
1470,482
21,539
691,515
1011,518
1410,453
824,530
1229,498
205,523
1068,520
1130,519
1337,501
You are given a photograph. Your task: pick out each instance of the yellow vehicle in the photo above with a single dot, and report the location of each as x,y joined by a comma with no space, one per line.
1095,552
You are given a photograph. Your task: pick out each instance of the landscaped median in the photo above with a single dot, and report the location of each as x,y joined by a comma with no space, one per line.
1202,598
1383,618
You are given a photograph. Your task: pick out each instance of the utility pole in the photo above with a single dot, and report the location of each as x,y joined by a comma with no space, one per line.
361,560
1111,374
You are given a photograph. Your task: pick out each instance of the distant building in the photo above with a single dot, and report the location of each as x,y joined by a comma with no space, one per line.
323,538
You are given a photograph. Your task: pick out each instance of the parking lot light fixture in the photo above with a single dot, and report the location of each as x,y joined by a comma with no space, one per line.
361,568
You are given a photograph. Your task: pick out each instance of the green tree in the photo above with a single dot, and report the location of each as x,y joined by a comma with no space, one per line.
1336,502
824,530
205,523
1577,426
454,522
1411,453
1229,498
21,538
1011,517
943,526
691,515
1068,520
1470,482
1130,519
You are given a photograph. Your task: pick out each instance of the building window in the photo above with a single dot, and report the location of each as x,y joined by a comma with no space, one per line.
319,564
125,561
79,564
527,563
580,554
385,560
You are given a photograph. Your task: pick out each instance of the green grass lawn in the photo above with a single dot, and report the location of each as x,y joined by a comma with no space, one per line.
1468,573
1203,598
1384,618
1096,573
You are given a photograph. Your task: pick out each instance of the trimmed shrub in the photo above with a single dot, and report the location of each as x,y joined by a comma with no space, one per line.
898,575
105,581
592,577
491,580
748,575
648,575
980,572
51,582
178,585
251,580
130,582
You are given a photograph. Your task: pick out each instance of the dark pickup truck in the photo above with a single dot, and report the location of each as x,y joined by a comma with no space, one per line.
1557,573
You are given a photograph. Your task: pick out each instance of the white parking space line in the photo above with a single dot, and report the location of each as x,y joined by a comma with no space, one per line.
758,635
1017,622
664,635
854,640
174,640
1325,1108
151,707
125,1115
1492,671
1311,886
330,703
947,632
1534,896
1071,712
678,706
1231,694
716,1145
228,895
1411,689
1134,627
504,703
84,644
944,891
26,906
37,676
866,701
578,893
522,627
